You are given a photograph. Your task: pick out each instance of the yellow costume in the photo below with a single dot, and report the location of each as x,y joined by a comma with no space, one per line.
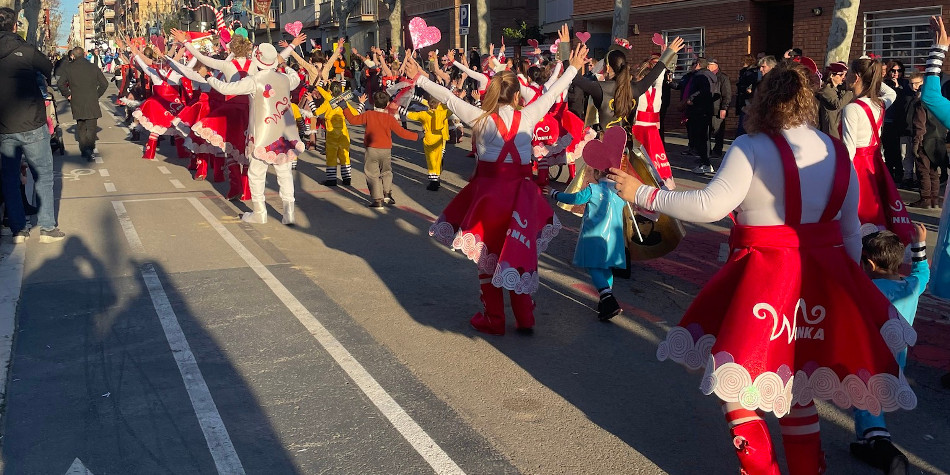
435,124
337,138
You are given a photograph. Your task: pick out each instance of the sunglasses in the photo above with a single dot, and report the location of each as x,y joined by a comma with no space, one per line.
896,70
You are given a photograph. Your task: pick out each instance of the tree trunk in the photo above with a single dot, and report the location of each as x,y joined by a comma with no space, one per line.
844,18
395,24
621,19
484,24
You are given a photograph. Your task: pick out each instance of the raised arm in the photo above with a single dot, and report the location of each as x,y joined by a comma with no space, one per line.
150,71
659,69
325,71
930,92
555,73
481,78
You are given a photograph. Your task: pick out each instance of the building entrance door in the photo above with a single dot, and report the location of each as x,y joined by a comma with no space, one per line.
778,27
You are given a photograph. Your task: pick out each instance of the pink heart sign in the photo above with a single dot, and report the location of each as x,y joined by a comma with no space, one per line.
293,28
658,39
583,36
533,43
423,35
554,46
606,153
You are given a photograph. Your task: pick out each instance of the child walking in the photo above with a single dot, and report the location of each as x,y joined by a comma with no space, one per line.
882,254
377,164
435,125
600,245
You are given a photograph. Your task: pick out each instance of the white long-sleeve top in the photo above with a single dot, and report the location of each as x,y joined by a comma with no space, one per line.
158,77
855,128
529,93
481,78
226,66
642,102
487,136
751,180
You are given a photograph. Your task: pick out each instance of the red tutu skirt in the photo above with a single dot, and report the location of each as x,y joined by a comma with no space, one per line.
790,319
501,222
157,113
649,136
879,202
225,126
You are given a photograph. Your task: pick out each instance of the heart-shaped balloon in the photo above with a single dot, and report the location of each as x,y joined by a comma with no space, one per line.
533,43
225,35
658,39
293,28
423,35
554,46
606,153
583,36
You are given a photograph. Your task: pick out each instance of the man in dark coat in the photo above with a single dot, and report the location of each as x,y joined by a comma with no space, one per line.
722,97
83,84
702,91
23,130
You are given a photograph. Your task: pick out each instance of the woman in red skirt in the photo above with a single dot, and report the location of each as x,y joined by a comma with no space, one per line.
500,220
791,317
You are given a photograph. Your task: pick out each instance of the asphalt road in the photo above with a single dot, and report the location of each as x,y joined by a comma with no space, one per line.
165,336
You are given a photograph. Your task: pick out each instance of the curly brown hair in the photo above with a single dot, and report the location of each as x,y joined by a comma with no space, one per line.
241,46
783,100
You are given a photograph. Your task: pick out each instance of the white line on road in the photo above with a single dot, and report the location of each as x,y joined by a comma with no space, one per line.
212,426
103,172
11,274
110,187
410,430
164,170
176,183
99,160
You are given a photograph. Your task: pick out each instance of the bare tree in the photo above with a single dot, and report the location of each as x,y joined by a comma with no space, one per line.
395,21
484,24
844,18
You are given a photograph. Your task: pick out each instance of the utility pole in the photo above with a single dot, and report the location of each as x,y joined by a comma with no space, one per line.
844,18
621,19
484,24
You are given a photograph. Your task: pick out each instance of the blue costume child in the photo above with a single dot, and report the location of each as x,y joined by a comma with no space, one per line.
600,244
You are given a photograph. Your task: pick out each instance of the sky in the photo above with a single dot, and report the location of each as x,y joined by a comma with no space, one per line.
69,8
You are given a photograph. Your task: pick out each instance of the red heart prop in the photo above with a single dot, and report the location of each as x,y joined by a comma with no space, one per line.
293,28
583,36
606,153
658,39
423,35
533,43
555,46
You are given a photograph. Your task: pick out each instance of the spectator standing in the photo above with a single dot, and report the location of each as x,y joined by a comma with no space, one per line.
766,63
23,130
748,76
699,110
722,98
928,147
895,136
83,84
832,97
665,96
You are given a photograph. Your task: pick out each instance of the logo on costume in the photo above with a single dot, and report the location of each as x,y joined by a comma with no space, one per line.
543,134
898,205
514,233
281,109
661,161
809,331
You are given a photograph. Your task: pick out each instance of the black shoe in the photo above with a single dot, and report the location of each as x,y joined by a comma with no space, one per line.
433,186
346,182
329,183
608,307
882,454
377,204
388,198
923,203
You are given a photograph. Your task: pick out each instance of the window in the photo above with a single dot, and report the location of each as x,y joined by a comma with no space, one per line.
900,34
694,40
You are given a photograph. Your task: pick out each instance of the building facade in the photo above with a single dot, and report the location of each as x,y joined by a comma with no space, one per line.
501,14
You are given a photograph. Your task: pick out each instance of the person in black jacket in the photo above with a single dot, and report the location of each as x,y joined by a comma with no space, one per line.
748,76
23,130
83,84
722,98
702,91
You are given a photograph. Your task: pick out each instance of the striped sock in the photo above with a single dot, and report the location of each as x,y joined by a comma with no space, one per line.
345,171
935,60
331,173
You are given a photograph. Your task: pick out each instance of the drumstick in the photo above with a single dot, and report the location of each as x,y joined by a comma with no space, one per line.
633,217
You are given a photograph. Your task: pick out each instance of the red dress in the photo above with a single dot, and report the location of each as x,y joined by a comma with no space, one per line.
157,113
791,318
225,126
649,135
500,220
198,106
880,203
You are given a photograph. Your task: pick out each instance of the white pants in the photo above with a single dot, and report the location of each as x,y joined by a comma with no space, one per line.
257,176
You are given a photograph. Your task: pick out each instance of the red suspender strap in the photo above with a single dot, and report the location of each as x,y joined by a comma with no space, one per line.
875,124
508,135
839,187
793,185
651,95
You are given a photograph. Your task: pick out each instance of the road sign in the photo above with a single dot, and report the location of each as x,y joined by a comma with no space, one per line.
463,31
465,17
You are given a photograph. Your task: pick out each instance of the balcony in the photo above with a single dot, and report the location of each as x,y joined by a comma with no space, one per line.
110,14
89,7
110,27
365,11
368,10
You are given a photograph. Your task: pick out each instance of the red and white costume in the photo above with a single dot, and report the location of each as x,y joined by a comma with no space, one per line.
791,317
500,220
646,129
157,114
880,204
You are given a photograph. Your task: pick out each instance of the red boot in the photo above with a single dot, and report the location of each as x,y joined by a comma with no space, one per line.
492,319
217,163
150,147
201,168
803,454
542,176
245,185
193,165
234,178
180,147
754,448
572,169
523,307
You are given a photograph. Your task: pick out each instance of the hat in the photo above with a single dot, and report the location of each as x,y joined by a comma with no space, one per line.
839,67
266,56
809,63
712,61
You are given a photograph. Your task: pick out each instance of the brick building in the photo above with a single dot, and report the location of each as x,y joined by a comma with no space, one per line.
726,30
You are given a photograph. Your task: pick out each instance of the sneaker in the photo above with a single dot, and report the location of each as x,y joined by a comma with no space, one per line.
52,235
21,237
704,170
388,198
608,307
923,203
882,454
433,186
377,204
329,183
346,182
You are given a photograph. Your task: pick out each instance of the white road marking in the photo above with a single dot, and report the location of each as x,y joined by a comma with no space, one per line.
164,170
110,187
410,430
99,160
77,468
176,183
103,172
212,426
11,274
115,120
